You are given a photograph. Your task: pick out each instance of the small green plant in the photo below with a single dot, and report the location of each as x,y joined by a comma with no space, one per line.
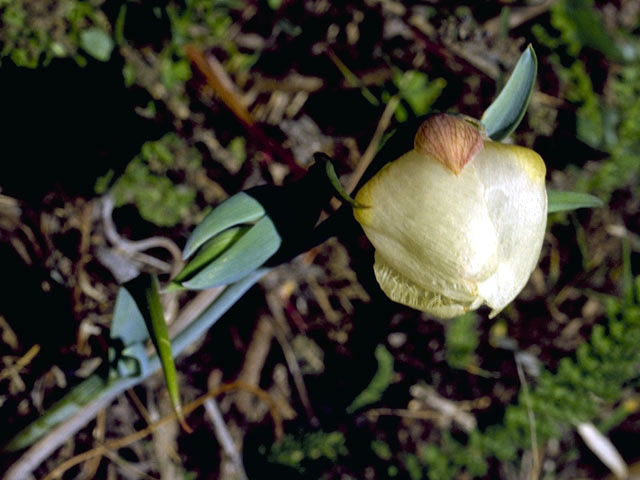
417,91
607,122
379,383
32,33
461,340
147,182
576,392
301,451
197,22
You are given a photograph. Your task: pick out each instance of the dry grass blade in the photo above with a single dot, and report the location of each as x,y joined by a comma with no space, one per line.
220,82
279,330
224,87
535,468
372,148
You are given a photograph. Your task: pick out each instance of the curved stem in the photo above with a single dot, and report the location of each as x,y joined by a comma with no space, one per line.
75,415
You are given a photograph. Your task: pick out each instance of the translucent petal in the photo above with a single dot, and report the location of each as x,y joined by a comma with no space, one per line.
515,196
400,289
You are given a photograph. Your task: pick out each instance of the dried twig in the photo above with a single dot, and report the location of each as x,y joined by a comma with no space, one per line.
370,152
518,16
280,331
254,359
91,467
20,363
224,436
135,247
535,470
187,409
127,466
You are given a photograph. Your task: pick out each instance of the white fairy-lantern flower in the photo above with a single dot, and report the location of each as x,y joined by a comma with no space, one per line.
458,221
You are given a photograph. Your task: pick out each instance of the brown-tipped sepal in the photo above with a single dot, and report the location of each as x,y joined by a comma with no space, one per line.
449,139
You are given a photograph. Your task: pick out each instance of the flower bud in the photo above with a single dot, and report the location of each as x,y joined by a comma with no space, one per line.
458,221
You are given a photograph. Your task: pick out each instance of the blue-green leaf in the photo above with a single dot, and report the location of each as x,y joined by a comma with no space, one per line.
506,112
560,201
128,324
236,210
248,254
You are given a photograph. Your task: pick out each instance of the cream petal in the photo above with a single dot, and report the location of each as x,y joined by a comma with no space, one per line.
430,225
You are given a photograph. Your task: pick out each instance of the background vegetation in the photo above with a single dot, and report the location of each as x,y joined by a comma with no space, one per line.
170,107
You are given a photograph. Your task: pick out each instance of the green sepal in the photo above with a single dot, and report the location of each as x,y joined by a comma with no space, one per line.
246,255
144,289
335,181
561,201
238,209
507,110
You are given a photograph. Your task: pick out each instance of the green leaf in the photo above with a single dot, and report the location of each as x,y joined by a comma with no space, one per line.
461,340
97,43
145,291
238,209
560,201
506,112
246,255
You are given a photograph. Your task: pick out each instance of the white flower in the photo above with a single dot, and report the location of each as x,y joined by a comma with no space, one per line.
457,222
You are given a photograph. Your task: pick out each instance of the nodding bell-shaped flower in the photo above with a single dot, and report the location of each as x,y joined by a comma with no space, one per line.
458,221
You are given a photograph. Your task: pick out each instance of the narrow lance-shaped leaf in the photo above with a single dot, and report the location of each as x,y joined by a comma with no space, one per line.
145,291
506,112
560,201
208,253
